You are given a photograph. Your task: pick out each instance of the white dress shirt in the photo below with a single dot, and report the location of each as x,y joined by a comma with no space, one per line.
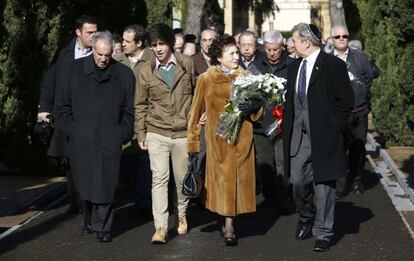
310,62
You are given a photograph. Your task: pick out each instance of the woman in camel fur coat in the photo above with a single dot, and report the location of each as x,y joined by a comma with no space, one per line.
230,170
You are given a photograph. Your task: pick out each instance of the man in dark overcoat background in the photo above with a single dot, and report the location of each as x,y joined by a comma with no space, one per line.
360,72
55,78
96,112
319,101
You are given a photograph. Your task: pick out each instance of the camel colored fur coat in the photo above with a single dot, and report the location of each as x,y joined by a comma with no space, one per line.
230,170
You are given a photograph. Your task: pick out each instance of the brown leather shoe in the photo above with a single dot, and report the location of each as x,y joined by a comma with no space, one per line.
160,236
181,225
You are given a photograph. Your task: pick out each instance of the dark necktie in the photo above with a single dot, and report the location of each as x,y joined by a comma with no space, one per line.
302,84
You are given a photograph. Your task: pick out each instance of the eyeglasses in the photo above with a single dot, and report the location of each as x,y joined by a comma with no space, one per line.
336,37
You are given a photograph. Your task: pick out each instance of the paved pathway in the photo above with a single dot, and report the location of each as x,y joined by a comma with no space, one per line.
367,228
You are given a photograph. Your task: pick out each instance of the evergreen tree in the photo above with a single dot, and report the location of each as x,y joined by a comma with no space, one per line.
31,31
388,31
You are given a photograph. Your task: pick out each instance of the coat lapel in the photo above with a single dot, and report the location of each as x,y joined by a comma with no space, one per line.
179,72
317,68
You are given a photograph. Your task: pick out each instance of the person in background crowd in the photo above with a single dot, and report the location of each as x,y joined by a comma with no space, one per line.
202,59
360,75
290,46
134,161
162,110
219,28
190,49
237,39
357,45
96,112
190,38
319,101
229,179
51,90
117,46
328,47
179,43
251,58
259,42
269,148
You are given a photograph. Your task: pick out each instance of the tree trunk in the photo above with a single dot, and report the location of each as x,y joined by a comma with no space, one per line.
336,10
194,14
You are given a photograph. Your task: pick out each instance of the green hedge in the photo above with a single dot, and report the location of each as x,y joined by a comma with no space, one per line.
31,31
388,31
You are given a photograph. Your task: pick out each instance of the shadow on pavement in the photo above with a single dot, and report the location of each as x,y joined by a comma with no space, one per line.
370,179
246,225
348,219
25,235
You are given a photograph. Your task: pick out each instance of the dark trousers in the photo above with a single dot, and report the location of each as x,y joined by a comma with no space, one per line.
99,216
265,166
136,174
74,199
282,183
315,202
356,137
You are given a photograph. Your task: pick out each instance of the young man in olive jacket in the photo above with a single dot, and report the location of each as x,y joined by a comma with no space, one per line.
162,110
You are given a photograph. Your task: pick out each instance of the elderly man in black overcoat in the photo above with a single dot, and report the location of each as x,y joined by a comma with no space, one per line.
319,100
96,111
51,89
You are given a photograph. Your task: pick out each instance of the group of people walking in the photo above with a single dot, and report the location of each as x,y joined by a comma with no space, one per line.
169,103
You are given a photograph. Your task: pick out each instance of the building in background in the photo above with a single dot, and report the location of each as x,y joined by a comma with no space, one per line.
287,14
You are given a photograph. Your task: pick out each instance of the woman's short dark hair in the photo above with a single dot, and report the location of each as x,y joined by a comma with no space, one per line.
161,32
217,47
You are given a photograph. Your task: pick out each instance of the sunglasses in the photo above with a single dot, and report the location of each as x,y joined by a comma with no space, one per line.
345,36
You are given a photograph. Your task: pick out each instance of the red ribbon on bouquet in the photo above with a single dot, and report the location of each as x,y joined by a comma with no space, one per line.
278,114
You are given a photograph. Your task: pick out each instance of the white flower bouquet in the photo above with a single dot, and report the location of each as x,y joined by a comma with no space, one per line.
265,88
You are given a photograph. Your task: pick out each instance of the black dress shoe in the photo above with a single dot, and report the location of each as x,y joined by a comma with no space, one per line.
321,245
230,240
87,229
303,230
104,237
357,188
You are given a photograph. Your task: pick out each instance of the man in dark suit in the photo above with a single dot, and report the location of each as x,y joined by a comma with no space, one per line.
254,61
96,112
319,100
202,59
51,89
135,167
201,64
251,58
361,77
269,147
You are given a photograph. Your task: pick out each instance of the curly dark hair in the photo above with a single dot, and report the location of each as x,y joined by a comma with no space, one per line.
217,47
161,32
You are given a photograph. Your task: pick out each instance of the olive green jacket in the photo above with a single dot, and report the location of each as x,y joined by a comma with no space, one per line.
160,109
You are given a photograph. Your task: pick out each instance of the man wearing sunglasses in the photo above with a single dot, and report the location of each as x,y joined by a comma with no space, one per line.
360,75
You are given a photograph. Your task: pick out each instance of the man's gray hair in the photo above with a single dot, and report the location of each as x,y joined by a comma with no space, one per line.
305,33
273,37
337,27
249,33
105,36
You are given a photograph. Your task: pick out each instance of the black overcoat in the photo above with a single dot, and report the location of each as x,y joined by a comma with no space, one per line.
330,101
97,113
51,88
